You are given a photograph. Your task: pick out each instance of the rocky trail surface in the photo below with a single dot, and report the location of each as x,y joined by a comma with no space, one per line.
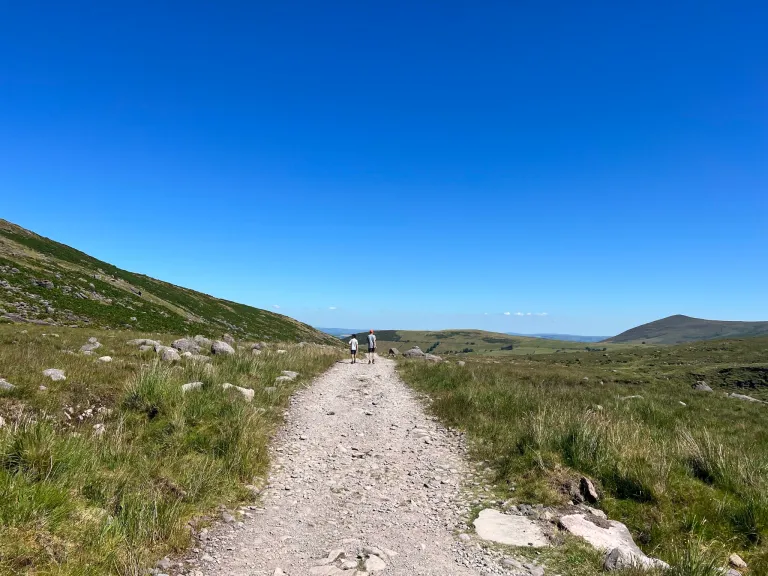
363,482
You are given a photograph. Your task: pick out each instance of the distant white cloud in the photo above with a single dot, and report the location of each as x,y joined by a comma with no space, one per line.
506,313
540,314
276,305
529,313
519,314
331,307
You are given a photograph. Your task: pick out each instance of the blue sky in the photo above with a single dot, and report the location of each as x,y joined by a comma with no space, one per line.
400,164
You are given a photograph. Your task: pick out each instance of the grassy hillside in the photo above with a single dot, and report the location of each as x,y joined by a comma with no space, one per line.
684,469
451,342
42,281
679,329
102,473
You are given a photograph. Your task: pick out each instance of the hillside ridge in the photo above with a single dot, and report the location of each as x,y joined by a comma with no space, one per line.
45,282
678,329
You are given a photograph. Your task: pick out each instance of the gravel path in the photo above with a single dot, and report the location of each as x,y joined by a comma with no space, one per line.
359,472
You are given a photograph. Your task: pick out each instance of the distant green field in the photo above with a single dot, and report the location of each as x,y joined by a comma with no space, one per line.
683,469
479,342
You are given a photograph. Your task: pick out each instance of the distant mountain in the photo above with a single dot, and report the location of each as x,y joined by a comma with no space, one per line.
562,337
45,282
679,329
339,332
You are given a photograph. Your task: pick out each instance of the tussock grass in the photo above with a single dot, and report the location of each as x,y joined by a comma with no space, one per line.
676,465
77,502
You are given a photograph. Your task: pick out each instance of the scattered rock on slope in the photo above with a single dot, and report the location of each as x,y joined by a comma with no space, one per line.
5,385
228,338
414,352
432,358
247,393
202,341
394,352
221,347
168,354
143,342
54,374
744,397
186,345
702,386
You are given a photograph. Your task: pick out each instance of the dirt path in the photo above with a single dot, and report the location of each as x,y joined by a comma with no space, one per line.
359,468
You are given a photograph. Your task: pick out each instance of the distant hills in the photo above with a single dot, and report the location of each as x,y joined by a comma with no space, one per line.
563,337
45,282
679,329
444,342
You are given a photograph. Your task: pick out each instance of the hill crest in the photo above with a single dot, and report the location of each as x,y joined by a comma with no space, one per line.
678,329
45,282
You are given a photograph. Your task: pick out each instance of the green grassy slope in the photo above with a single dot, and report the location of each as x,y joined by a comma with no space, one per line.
448,342
44,281
110,469
679,329
678,466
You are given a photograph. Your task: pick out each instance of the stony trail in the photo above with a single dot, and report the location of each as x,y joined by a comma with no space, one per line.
360,470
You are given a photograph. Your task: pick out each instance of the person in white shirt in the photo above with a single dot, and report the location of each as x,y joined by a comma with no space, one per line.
371,347
353,348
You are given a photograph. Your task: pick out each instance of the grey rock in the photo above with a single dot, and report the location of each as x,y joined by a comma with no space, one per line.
202,341
736,561
432,358
702,386
290,374
744,397
191,386
228,338
186,345
221,347
394,352
54,374
375,564
588,490
247,393
168,354
414,352
5,385
145,348
227,517
615,535
143,342
105,359
2,421
199,358
461,363
494,526
90,347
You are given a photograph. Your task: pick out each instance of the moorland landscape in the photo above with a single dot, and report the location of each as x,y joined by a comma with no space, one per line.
126,438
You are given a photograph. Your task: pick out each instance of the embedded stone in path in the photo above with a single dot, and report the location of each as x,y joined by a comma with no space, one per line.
607,537
494,526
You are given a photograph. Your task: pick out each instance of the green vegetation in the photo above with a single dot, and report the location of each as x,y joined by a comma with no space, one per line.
686,470
449,342
78,501
679,329
45,281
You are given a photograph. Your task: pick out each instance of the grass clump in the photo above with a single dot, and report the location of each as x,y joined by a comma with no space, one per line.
102,472
674,464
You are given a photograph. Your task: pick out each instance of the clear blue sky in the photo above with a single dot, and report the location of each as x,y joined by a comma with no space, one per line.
410,164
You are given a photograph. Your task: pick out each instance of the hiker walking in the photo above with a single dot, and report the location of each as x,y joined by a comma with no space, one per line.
353,348
371,347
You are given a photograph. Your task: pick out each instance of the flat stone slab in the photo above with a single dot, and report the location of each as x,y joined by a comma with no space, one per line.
494,526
